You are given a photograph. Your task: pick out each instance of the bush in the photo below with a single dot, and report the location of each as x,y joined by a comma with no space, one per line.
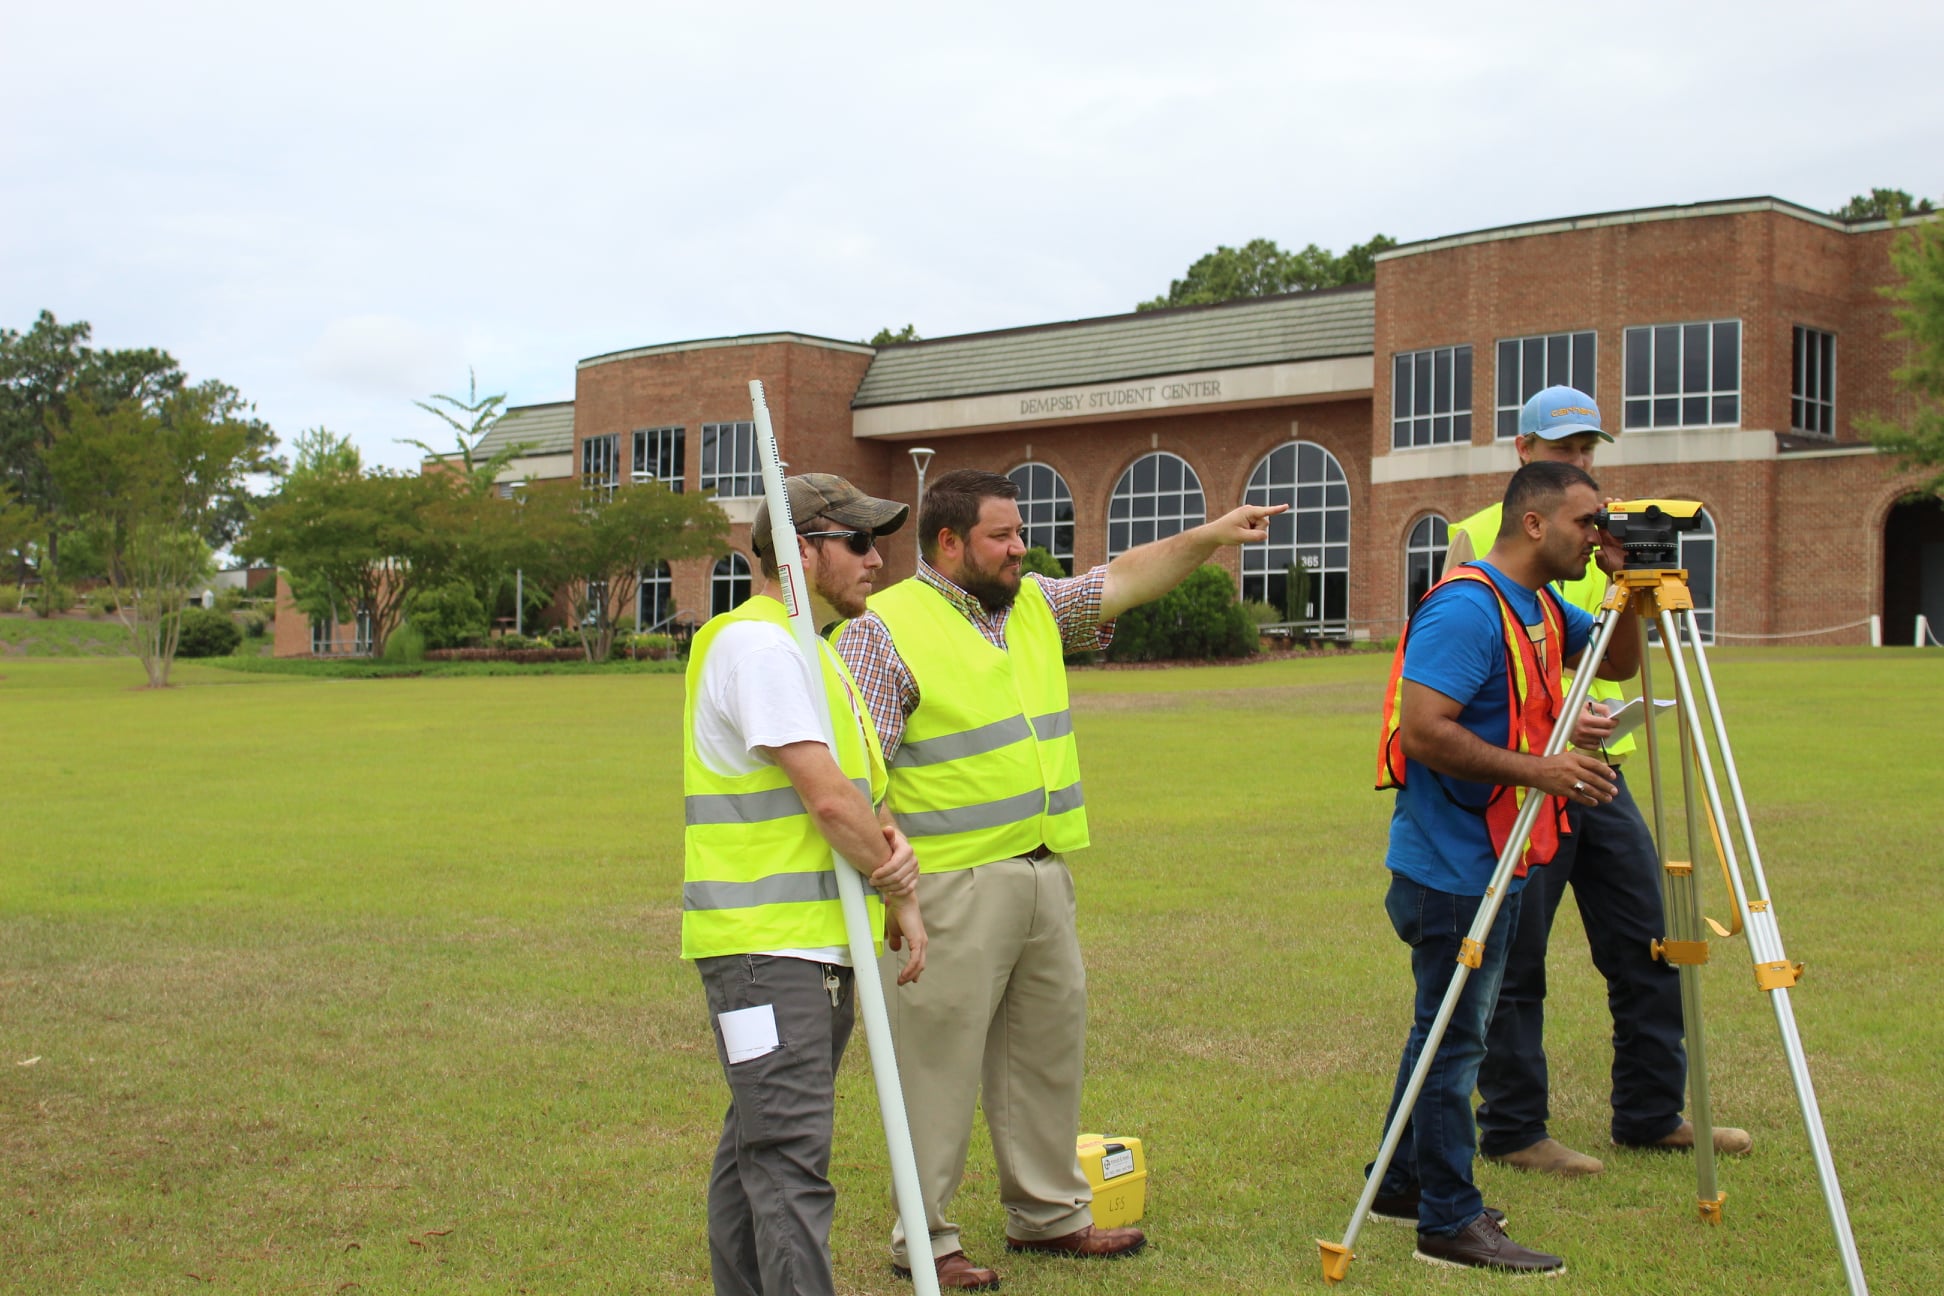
254,624
1197,619
102,600
655,647
1039,560
10,598
228,599
53,599
449,616
1262,614
406,644
207,633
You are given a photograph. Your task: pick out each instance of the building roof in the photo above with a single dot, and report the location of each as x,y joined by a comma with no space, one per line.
1642,216
545,429
1259,330
741,340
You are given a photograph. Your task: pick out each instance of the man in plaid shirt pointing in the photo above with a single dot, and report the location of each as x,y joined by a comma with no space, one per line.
963,669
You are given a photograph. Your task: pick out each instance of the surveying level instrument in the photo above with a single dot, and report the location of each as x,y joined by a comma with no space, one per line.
1657,590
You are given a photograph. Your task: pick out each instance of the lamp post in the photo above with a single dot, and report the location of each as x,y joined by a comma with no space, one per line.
921,457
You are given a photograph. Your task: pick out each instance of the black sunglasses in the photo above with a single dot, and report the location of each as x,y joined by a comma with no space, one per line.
860,542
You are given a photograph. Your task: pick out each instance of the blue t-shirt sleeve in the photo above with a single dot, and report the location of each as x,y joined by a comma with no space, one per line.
1457,642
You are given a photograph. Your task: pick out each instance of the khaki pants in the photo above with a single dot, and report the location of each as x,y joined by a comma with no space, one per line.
999,1018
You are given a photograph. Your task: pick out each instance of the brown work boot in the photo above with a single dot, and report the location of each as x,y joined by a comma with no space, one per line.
1092,1242
956,1273
1728,1140
1482,1244
1550,1156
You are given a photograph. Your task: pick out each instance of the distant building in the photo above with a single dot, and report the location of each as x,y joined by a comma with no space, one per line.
1734,342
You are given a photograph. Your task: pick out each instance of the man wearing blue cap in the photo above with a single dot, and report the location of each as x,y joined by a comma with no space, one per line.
1609,858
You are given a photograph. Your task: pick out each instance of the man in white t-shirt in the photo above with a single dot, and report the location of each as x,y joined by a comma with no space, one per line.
768,799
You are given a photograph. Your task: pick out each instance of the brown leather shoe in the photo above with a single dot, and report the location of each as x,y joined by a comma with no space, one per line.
1728,1140
1550,1156
1482,1244
1095,1243
956,1273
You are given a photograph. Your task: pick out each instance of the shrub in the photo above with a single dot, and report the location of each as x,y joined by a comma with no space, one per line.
1197,619
102,600
406,644
228,599
207,633
10,598
449,616
1039,560
1262,614
53,599
254,624
655,647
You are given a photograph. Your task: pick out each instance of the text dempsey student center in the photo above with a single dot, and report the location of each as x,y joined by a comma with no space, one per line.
1736,343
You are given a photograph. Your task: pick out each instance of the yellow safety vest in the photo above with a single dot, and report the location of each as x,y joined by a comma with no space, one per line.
757,875
1587,593
988,768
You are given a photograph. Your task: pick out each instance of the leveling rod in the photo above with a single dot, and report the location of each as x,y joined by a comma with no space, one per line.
850,883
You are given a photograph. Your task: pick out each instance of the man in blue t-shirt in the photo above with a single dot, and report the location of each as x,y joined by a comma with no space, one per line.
1453,721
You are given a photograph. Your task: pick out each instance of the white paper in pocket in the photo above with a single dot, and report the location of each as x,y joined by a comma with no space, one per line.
748,1032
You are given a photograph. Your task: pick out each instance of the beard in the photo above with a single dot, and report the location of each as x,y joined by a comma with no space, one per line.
847,602
994,587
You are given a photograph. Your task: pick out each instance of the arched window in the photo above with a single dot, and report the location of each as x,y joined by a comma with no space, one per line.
1315,533
1047,507
1158,496
657,601
729,587
1424,555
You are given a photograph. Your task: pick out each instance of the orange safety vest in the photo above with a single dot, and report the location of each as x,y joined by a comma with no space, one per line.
1531,713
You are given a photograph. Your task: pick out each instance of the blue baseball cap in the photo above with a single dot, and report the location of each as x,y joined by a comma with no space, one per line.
1559,412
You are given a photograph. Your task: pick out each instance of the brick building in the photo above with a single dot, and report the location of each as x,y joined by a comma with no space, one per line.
1735,342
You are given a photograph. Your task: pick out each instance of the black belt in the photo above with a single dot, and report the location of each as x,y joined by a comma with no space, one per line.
1039,852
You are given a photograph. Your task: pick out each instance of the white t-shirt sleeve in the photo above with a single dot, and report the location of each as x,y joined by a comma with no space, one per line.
753,694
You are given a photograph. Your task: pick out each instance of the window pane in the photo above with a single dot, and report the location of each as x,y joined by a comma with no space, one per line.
1727,356
1667,361
1533,379
1583,352
1694,411
1640,360
1508,373
1421,384
1727,409
1639,413
1461,378
1508,423
1694,357
1401,386
1558,358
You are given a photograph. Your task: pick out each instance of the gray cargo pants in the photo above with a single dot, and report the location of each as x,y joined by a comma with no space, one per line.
770,1196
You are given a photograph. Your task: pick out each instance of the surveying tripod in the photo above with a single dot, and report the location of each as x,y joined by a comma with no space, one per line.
1657,591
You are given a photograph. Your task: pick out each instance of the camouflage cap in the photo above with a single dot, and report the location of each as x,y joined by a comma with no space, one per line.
826,495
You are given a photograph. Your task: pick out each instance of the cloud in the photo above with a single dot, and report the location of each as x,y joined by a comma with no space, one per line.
385,355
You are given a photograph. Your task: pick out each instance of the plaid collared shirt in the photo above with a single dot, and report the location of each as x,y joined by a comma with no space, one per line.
886,682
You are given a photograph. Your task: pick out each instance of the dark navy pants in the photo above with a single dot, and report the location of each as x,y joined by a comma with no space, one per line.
1610,862
1435,1152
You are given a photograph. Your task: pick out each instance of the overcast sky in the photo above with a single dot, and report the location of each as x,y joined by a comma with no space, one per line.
339,208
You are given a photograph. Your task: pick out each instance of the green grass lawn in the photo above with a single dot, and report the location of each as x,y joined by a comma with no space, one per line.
314,985
64,636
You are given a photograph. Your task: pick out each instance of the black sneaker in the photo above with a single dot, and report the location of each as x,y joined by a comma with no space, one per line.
1482,1244
1402,1208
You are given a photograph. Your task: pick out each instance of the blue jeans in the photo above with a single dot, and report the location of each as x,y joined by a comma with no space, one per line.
1611,863
1434,1155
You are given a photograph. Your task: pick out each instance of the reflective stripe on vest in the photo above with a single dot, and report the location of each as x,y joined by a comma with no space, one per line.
757,875
1587,594
1533,698
988,768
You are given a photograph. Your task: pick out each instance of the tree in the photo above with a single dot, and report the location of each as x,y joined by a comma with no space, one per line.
320,450
1882,204
354,543
18,527
1918,439
45,373
1261,269
891,337
591,547
146,478
481,414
